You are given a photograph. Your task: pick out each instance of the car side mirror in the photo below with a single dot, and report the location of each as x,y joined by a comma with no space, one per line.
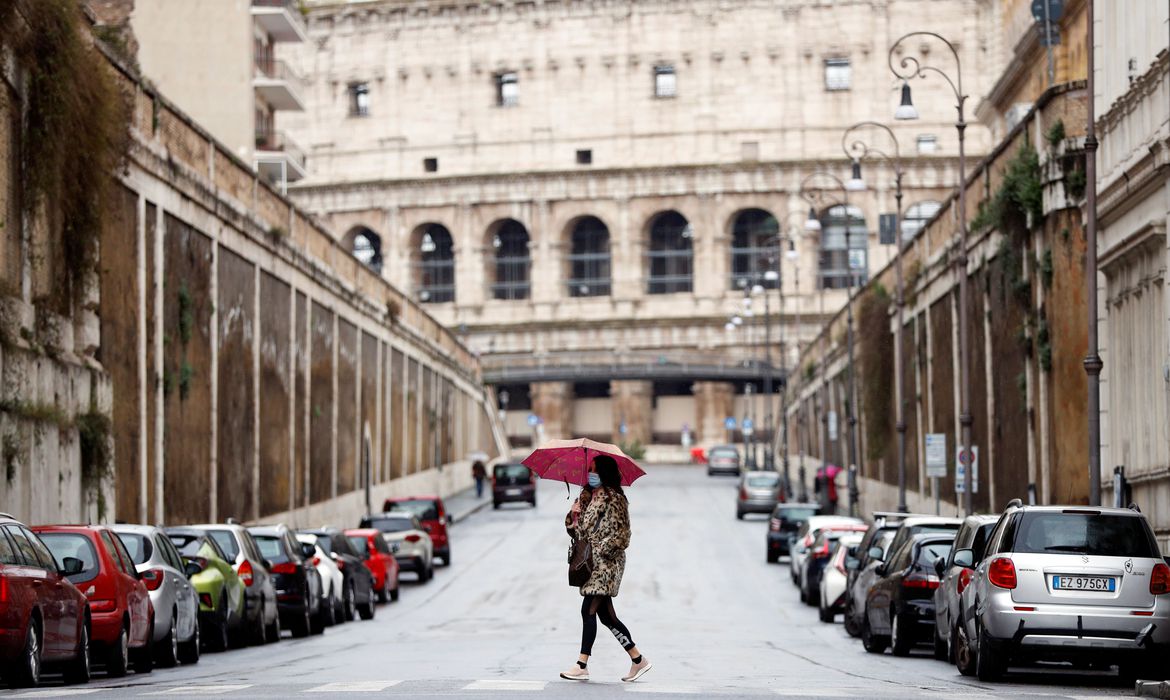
851,563
939,565
266,564
71,565
851,551
964,558
880,570
308,551
875,552
192,568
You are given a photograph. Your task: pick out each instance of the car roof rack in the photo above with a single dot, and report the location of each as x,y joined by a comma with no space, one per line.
1134,507
8,515
1014,503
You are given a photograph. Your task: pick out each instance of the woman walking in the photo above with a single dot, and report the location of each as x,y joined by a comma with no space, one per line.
601,515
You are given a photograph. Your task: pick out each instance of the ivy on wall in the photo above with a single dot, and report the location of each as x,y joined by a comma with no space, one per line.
876,369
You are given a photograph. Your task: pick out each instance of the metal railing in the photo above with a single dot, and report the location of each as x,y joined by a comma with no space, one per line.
605,365
280,141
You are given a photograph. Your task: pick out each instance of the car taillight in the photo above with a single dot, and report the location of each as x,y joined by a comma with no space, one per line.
205,600
743,494
964,580
412,538
921,582
153,578
824,550
808,540
286,567
316,561
1002,573
340,564
1160,579
774,525
3,588
103,605
245,573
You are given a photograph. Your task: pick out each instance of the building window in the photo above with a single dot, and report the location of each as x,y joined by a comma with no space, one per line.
431,165
754,246
584,157
367,248
844,249
915,218
509,241
838,74
435,272
927,143
359,99
589,259
507,89
665,81
670,257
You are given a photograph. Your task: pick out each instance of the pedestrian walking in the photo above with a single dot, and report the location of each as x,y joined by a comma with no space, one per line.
601,516
479,472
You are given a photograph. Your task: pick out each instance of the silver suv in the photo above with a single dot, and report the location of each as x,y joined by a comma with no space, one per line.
1068,583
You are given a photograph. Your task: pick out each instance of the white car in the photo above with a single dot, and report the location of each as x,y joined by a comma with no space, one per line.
408,540
332,581
834,578
804,537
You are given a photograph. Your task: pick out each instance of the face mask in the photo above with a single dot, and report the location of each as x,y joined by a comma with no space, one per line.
594,480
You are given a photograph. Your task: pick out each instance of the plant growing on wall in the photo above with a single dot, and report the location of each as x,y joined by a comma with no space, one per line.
876,369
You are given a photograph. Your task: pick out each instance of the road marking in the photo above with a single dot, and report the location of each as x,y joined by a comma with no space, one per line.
56,692
655,688
506,685
353,687
201,690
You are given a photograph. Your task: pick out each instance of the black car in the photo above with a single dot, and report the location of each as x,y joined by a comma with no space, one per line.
785,521
899,610
860,563
298,584
358,587
512,483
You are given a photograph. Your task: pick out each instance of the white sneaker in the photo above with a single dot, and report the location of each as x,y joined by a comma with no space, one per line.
576,673
638,670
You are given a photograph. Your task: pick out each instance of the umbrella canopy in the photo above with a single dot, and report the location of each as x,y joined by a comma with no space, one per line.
830,470
568,461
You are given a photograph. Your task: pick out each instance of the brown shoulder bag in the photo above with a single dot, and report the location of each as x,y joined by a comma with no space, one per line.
581,559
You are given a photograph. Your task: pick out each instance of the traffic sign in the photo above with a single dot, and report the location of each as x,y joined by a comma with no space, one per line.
1055,10
936,455
533,420
961,458
748,426
729,423
832,425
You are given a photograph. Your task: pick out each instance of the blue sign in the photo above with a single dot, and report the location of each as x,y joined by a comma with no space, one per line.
729,423
533,420
748,426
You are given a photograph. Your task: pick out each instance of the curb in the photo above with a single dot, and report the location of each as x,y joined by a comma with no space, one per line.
457,518
1152,689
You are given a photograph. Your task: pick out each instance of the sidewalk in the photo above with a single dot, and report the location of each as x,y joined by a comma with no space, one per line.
464,504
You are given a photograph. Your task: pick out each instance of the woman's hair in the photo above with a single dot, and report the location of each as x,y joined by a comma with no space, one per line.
607,469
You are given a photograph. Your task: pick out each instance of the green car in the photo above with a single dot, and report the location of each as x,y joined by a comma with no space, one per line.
221,593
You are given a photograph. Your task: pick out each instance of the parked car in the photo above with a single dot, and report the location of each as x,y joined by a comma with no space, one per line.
953,580
831,592
358,589
380,561
119,604
220,591
899,611
176,605
261,615
804,538
917,524
817,558
759,492
785,521
44,620
332,580
433,517
723,459
298,585
862,567
512,483
408,541
1069,583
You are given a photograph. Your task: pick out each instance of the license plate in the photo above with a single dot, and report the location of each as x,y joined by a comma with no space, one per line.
512,492
1084,583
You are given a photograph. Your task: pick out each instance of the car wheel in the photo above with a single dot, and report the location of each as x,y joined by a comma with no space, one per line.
1142,668
328,611
495,505
873,643
189,650
168,651
900,639
303,625
78,670
350,603
533,502
447,554
218,632
989,662
940,646
118,657
738,514
962,651
26,672
851,627
271,631
394,593
771,556
144,655
826,614
366,612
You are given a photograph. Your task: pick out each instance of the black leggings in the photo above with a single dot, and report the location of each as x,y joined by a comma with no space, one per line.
593,607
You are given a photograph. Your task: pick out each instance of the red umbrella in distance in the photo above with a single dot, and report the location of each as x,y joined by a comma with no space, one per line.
568,461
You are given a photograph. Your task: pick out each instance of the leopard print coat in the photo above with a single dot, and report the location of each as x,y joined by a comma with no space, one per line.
605,520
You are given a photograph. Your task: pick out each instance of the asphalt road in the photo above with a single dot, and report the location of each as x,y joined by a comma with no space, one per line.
698,597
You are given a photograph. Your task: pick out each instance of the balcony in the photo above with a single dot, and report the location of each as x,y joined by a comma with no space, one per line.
279,159
281,19
277,85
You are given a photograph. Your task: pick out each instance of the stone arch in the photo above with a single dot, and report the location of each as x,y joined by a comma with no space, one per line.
669,253
754,243
432,262
588,261
365,245
508,261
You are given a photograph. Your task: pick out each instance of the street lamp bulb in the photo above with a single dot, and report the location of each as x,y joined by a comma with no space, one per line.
748,313
770,276
906,110
428,244
791,253
812,224
747,302
855,183
729,326
688,231
424,295
737,320
759,288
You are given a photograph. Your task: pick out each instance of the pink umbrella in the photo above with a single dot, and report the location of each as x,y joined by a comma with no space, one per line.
568,461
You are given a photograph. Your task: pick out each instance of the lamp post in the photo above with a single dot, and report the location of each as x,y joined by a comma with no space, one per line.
860,150
910,67
1092,362
813,196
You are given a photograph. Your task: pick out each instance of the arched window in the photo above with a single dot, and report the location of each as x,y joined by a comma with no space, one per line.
435,277
670,257
588,259
753,248
844,259
510,262
367,248
915,218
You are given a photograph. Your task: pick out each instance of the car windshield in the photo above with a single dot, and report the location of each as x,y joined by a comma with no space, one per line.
762,481
360,544
1089,533
227,542
512,473
933,550
271,548
138,546
65,544
325,542
390,524
723,453
425,509
188,545
795,513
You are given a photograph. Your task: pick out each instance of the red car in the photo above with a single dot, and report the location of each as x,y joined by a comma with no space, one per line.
44,619
372,548
432,515
120,610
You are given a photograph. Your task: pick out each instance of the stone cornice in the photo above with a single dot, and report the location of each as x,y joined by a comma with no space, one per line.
1141,88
